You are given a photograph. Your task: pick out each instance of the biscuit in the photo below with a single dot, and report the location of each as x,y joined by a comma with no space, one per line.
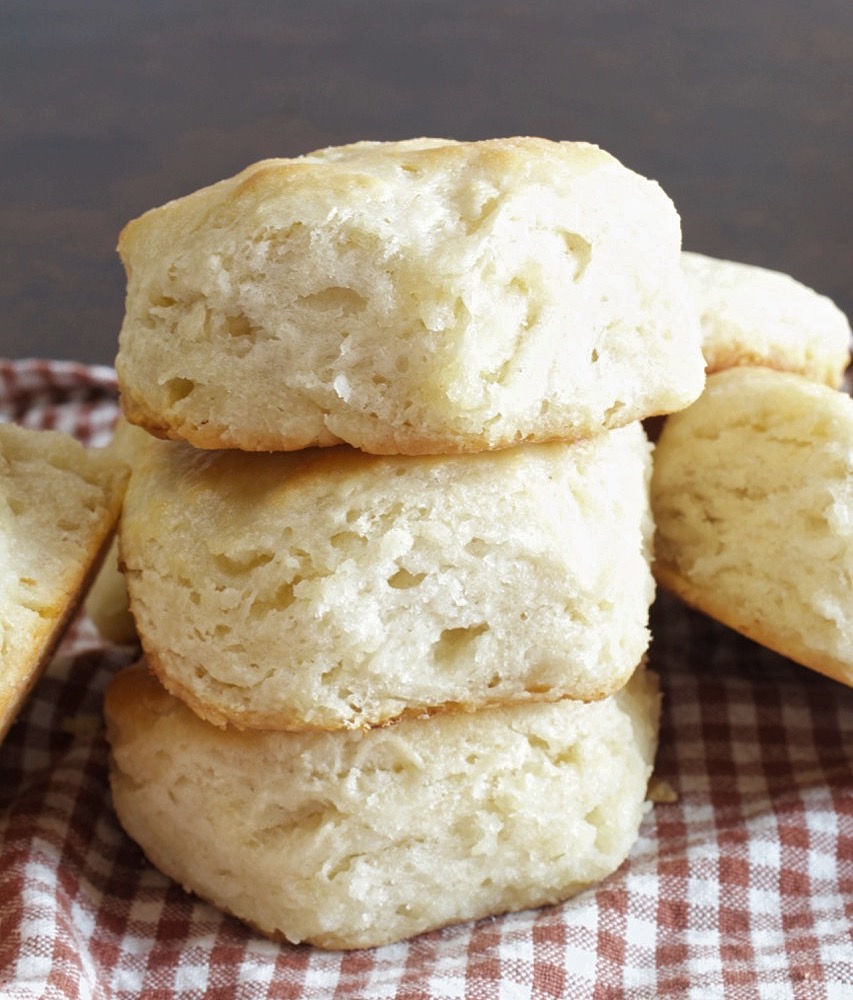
59,503
106,602
359,839
752,495
328,588
412,297
753,316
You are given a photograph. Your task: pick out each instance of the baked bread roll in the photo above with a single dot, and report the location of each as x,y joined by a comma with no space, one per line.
59,503
752,495
754,316
332,589
412,297
359,839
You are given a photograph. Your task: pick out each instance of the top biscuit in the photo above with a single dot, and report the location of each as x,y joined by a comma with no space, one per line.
416,297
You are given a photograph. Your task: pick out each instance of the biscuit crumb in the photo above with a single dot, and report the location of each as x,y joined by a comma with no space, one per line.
661,791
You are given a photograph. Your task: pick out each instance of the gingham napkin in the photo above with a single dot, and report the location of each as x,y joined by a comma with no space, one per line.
740,887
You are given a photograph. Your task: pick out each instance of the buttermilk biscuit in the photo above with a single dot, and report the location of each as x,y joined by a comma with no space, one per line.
752,316
359,839
752,495
106,602
413,297
58,506
328,588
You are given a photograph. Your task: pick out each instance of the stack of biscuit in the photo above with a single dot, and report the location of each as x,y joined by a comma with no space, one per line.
387,536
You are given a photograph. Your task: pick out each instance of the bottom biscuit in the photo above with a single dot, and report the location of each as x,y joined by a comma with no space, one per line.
359,839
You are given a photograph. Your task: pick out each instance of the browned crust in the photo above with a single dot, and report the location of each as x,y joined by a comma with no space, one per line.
49,636
722,358
750,623
212,437
282,721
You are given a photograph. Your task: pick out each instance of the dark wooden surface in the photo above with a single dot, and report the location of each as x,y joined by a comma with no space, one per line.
742,109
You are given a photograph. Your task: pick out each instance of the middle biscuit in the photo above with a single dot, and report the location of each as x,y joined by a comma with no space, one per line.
329,589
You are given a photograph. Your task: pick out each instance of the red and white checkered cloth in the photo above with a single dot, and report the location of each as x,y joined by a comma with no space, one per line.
741,888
